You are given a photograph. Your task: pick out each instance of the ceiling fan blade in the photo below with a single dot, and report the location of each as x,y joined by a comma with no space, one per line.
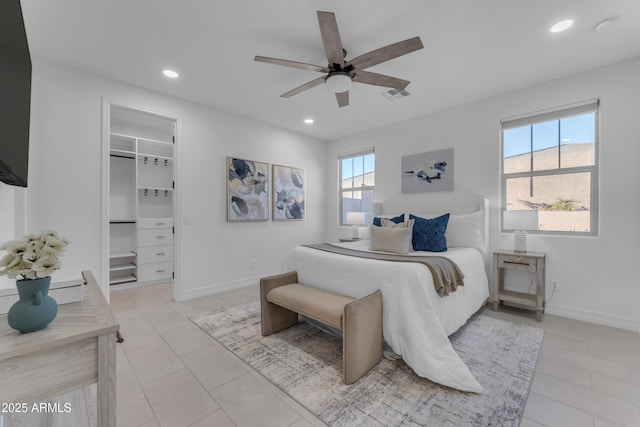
331,38
294,64
380,80
343,98
302,88
386,53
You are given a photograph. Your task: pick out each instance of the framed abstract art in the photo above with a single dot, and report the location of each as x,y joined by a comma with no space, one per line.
432,171
289,193
247,190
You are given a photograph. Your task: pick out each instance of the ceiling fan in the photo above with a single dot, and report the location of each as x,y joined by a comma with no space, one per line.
340,72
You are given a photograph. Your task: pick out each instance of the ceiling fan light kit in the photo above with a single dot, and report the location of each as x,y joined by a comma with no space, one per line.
338,81
342,72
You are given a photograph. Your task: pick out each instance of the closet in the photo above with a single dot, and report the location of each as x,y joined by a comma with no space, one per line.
141,188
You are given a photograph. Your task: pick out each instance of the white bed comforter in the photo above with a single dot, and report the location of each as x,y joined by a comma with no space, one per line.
416,320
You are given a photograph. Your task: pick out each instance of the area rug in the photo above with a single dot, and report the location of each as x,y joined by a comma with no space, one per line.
306,363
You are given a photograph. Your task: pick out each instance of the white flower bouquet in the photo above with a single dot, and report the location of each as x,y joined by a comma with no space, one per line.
34,257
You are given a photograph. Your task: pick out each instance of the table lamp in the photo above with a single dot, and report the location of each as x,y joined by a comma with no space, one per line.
355,219
520,221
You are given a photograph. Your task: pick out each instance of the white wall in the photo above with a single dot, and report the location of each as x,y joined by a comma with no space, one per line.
7,219
12,202
64,190
598,277
12,220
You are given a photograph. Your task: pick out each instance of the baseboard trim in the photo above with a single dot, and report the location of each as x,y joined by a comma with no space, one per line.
216,288
593,316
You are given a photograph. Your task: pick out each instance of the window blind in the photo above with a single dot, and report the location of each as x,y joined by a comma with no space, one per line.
547,115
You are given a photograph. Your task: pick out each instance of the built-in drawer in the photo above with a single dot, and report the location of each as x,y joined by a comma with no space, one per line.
146,223
154,272
155,237
152,254
515,262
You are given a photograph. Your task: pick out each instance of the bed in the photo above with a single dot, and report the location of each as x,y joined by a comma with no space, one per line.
416,320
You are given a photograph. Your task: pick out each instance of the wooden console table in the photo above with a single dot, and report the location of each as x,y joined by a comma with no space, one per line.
77,349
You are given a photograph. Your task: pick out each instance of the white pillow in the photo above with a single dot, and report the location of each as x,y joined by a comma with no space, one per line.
463,230
386,239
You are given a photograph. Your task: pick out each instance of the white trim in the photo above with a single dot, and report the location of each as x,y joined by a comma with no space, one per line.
177,208
104,199
593,316
218,288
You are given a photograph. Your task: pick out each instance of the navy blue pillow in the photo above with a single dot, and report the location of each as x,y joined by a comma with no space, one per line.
397,219
428,234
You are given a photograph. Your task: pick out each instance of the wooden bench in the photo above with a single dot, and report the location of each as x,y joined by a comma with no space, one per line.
282,298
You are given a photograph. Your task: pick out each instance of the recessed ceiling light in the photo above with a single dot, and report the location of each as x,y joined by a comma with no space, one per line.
561,26
607,24
308,121
170,73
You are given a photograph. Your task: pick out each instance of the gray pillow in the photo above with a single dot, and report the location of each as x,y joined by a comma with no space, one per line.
390,224
395,240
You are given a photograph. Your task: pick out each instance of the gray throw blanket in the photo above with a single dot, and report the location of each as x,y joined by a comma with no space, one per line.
447,276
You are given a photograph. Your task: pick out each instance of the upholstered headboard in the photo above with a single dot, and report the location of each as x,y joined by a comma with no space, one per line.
462,208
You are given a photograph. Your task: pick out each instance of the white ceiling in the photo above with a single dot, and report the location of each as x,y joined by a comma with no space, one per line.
472,49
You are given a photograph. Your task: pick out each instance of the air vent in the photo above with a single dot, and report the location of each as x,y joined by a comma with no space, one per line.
394,94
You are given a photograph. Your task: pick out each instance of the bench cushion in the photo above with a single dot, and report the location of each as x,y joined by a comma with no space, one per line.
318,304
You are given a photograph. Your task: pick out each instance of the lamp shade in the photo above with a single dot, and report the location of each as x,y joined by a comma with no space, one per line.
338,82
355,218
520,220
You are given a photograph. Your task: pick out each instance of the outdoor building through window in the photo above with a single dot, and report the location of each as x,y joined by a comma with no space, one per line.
357,181
549,171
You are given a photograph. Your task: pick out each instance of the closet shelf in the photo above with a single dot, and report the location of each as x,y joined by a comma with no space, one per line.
155,141
121,255
122,279
122,136
135,138
122,267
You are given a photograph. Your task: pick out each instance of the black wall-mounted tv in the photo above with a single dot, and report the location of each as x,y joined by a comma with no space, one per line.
15,95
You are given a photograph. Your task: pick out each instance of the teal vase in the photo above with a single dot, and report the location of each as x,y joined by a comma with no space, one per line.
35,309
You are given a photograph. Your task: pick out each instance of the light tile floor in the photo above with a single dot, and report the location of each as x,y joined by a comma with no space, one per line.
169,373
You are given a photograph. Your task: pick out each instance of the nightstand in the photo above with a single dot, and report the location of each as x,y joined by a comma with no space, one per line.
524,261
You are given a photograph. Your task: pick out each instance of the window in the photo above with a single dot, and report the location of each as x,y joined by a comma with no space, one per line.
549,171
357,181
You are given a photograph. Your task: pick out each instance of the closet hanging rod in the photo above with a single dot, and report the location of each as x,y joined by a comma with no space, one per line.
122,157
